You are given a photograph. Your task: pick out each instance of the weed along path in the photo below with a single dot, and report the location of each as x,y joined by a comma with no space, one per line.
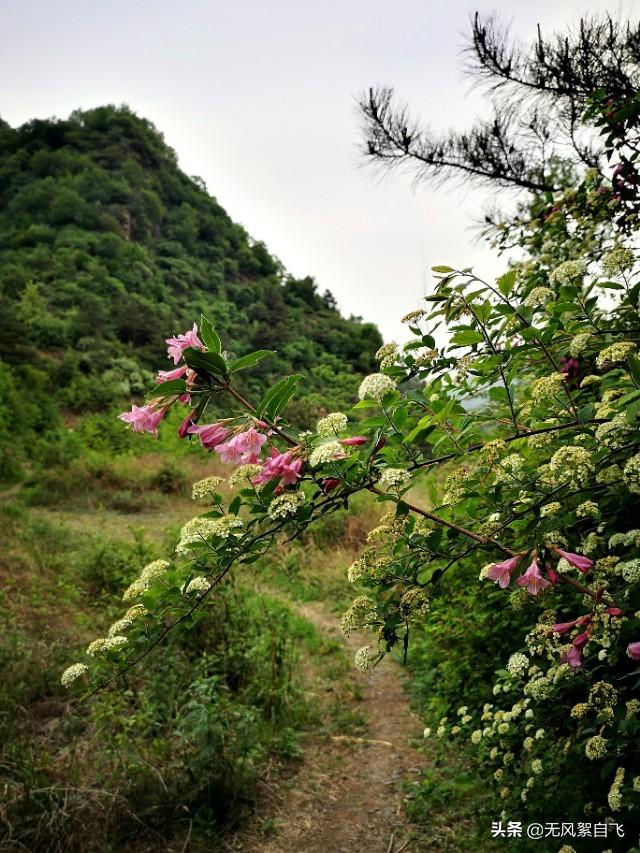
347,795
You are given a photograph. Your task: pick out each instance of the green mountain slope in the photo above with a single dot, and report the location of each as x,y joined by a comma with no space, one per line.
107,247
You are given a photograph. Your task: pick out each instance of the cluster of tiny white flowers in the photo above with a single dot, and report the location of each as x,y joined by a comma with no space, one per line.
588,508
326,452
510,469
120,626
565,272
618,259
332,424
615,353
362,612
550,509
243,474
463,366
596,747
151,572
362,659
72,673
386,350
546,388
394,478
106,644
199,530
568,464
375,386
203,489
425,358
285,505
538,296
579,343
630,570
518,665
614,797
631,474
198,584
418,314
414,603
614,433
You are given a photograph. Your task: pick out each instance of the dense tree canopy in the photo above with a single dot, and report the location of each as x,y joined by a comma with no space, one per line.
105,244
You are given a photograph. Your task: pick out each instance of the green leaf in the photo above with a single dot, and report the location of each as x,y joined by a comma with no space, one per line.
506,282
207,362
210,337
634,368
467,337
276,398
169,388
250,359
442,268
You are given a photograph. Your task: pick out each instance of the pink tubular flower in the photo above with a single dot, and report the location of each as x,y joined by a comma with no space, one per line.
578,560
144,418
329,483
501,572
211,435
563,627
183,429
573,657
244,447
532,580
614,611
552,575
633,650
168,375
179,344
281,465
355,441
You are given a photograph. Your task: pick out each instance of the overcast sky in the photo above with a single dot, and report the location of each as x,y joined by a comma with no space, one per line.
257,98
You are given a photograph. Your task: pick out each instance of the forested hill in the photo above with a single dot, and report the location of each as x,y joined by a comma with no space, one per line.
107,247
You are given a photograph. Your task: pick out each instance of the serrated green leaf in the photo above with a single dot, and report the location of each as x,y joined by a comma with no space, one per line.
276,398
169,388
209,362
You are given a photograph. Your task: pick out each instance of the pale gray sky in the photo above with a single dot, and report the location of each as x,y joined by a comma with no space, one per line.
258,99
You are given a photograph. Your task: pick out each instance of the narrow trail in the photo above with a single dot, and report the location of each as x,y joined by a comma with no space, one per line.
347,795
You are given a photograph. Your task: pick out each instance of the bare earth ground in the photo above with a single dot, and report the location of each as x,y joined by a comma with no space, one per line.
347,795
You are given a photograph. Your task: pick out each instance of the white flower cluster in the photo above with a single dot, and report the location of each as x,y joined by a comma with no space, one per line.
547,388
326,452
106,644
333,424
615,353
614,433
569,464
566,271
579,343
538,296
418,314
518,665
628,539
243,474
510,469
550,509
285,505
586,509
414,603
614,797
375,386
631,474
630,570
199,530
150,573
362,660
198,584
618,259
394,478
386,350
72,673
362,612
596,747
203,489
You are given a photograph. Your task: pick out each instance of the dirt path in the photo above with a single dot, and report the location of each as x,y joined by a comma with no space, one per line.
347,796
